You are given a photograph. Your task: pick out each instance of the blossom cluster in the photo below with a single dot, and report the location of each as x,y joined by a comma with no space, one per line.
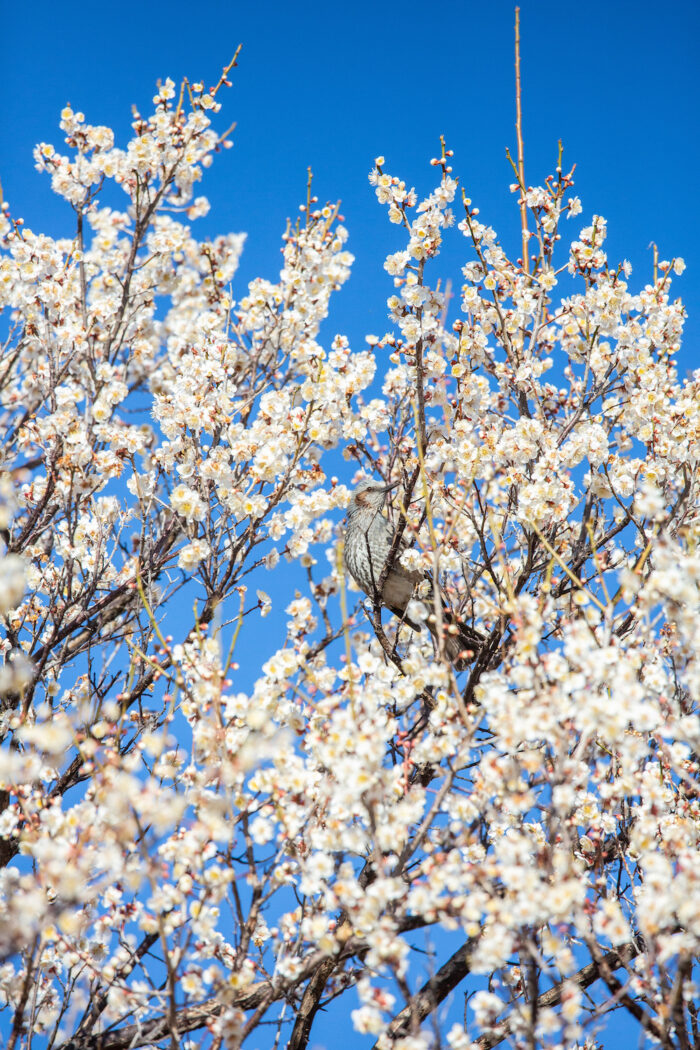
200,819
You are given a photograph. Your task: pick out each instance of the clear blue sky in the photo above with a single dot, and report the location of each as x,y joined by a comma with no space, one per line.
333,85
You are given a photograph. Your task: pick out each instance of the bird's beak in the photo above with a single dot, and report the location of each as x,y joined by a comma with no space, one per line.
388,488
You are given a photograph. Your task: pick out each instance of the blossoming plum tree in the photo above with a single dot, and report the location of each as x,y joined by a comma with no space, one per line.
180,856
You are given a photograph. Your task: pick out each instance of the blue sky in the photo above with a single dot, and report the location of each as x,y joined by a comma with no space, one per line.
333,86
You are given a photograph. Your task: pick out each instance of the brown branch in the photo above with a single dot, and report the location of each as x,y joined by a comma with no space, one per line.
134,1035
313,992
421,440
17,1024
521,146
684,974
432,993
585,977
605,968
310,1003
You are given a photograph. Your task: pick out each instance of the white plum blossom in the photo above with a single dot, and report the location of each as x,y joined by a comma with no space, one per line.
192,554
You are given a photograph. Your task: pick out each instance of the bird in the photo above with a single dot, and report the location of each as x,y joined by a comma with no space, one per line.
368,541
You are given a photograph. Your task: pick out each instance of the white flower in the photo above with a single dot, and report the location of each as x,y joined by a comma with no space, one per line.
187,503
192,554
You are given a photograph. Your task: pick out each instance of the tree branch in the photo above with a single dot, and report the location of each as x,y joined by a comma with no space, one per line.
433,992
585,977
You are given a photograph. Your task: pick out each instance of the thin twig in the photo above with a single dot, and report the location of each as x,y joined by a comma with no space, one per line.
521,146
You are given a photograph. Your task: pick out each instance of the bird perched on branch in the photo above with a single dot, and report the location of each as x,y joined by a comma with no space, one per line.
368,543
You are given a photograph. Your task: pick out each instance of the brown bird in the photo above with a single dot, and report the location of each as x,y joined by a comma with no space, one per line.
368,541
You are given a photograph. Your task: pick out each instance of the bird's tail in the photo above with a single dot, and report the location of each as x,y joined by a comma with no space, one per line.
462,644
